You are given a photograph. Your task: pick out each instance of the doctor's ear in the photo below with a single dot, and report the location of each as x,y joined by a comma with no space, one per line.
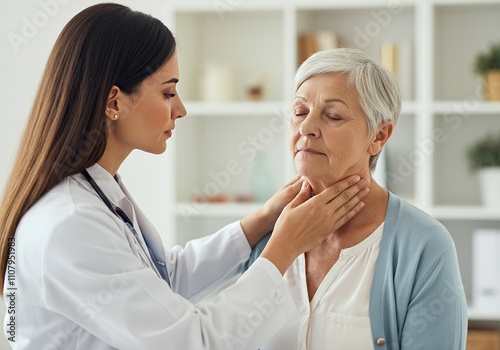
380,138
116,103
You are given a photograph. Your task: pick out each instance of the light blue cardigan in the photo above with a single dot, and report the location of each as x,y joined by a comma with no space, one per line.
417,299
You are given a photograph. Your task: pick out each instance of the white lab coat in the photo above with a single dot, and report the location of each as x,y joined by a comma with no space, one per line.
81,283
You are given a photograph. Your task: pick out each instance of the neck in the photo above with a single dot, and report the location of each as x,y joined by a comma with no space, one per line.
374,211
363,224
112,158
370,217
319,184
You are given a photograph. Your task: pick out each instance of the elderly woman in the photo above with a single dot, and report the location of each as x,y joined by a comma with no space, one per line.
388,278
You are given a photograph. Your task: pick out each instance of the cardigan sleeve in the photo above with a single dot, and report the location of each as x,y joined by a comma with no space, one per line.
437,314
417,300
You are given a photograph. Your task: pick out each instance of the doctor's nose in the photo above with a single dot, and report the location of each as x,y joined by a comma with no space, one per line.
178,110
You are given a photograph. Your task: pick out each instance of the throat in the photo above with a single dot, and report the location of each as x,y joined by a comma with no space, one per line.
319,262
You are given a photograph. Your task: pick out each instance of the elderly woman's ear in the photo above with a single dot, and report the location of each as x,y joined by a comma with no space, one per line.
380,138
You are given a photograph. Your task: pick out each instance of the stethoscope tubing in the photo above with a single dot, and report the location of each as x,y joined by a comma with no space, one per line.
121,214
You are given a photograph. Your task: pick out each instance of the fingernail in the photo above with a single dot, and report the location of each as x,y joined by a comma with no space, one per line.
304,185
356,179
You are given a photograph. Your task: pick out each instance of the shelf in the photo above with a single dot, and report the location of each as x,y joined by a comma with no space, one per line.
230,209
261,108
465,2
241,209
233,109
466,107
353,4
454,184
224,7
456,46
408,107
220,52
482,315
442,112
465,213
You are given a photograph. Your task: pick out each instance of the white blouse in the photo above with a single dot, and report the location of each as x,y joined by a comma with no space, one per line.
337,317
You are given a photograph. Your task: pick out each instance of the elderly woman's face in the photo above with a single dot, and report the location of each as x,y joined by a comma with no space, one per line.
329,134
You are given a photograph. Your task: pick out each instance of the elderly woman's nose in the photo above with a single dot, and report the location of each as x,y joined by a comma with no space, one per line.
309,127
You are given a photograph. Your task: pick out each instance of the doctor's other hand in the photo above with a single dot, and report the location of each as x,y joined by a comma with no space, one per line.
259,223
306,221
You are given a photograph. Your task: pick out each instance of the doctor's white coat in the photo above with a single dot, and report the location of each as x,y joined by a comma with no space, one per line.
80,282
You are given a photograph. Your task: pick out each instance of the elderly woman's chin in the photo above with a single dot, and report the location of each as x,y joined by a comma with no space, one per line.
319,180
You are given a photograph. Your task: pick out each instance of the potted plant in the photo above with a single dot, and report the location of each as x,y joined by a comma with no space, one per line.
487,64
484,157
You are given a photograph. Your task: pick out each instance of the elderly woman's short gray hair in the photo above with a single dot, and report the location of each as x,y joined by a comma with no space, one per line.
377,87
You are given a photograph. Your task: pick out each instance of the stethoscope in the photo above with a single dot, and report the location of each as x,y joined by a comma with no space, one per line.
151,261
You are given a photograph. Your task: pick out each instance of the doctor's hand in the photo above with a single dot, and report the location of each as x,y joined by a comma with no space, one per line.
262,221
306,221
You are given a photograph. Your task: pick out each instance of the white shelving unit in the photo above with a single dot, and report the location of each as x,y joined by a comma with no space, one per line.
443,110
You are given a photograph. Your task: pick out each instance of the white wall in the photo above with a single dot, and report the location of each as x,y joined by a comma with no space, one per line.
36,24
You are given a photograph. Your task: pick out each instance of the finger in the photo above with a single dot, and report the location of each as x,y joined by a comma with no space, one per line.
346,216
341,208
337,188
293,187
302,196
347,194
349,197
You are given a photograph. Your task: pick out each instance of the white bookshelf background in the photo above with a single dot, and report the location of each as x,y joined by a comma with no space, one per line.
443,109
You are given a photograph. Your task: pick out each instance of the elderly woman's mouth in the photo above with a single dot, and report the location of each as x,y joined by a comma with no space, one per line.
309,151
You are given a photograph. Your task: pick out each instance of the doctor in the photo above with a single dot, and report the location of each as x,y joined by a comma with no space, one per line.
83,267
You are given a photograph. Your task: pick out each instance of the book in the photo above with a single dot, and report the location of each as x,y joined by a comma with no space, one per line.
486,269
309,43
389,57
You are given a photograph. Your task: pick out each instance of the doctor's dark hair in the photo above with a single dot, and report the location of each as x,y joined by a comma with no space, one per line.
102,46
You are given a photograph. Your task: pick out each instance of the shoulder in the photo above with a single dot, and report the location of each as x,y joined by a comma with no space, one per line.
415,242
416,245
407,224
68,207
69,230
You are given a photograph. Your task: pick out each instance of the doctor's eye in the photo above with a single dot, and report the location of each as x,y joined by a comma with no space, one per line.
168,96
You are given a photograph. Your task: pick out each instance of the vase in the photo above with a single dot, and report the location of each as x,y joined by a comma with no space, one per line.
216,83
263,186
492,85
489,180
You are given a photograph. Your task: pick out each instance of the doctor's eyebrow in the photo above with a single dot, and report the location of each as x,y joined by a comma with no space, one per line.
173,80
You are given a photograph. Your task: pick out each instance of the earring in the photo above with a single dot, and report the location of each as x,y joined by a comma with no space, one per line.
115,117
